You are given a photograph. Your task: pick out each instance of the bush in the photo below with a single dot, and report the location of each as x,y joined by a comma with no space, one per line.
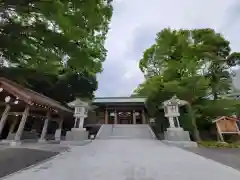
215,144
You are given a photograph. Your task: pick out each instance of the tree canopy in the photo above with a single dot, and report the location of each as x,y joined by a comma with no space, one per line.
64,87
50,34
196,66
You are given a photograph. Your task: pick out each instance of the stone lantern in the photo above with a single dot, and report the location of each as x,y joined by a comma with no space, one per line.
171,110
80,113
78,133
175,134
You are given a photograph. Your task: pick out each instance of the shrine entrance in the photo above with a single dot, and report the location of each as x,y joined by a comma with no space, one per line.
121,110
125,118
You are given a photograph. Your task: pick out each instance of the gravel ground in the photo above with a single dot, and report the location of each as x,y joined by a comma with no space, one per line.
229,157
14,159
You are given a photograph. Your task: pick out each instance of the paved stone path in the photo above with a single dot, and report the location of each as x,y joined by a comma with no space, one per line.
128,160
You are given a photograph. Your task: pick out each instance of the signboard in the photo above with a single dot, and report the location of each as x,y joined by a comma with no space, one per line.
226,125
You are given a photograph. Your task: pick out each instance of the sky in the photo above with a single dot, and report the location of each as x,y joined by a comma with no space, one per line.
134,26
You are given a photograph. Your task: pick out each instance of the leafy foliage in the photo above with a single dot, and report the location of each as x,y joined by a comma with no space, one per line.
195,66
49,34
64,88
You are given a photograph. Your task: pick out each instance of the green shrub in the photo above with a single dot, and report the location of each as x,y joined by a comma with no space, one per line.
215,144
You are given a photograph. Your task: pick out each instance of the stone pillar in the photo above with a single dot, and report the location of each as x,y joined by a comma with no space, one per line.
4,117
22,124
81,122
143,117
115,117
171,122
106,116
75,122
178,122
134,117
45,126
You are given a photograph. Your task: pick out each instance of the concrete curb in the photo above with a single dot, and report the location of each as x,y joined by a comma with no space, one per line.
99,131
76,143
151,131
181,144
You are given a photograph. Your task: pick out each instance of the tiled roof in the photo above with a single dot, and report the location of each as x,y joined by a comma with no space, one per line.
29,96
120,100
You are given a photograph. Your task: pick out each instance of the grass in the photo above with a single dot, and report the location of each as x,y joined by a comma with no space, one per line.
217,144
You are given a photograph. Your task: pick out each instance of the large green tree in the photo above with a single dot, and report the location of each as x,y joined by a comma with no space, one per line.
194,65
208,53
46,34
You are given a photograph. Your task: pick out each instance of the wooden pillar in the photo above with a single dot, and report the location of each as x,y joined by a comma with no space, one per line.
58,132
13,125
45,126
22,124
4,117
60,123
134,117
143,117
219,132
115,117
106,116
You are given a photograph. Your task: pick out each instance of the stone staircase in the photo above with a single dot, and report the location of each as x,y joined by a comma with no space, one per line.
125,131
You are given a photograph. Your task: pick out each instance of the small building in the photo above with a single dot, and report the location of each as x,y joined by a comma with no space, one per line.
27,114
118,110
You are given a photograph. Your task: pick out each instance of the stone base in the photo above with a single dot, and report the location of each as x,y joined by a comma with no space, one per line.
178,137
77,134
176,134
15,143
76,143
181,143
42,140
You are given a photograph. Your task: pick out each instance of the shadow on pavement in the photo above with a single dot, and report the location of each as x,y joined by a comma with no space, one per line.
229,157
15,159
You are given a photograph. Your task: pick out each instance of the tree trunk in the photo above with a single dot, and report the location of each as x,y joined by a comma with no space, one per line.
215,95
196,134
195,131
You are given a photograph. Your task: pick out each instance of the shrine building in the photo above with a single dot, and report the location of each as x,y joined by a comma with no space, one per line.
120,110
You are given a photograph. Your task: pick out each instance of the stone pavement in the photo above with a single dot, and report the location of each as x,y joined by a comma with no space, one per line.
128,160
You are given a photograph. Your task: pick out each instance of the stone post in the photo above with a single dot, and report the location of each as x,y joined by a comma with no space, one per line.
81,122
106,116
22,124
75,122
178,122
134,117
171,122
4,117
45,126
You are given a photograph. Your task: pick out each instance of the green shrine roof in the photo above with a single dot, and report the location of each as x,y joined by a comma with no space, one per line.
120,100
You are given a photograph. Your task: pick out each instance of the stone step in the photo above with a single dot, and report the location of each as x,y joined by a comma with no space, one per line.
125,131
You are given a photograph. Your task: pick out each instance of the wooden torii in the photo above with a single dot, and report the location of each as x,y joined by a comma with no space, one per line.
226,125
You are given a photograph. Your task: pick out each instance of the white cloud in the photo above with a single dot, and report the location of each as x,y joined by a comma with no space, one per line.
135,24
